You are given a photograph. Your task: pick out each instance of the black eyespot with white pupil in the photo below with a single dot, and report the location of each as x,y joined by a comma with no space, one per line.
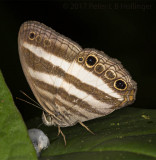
91,60
32,35
80,59
120,84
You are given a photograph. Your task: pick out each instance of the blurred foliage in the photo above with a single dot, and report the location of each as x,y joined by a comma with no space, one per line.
14,141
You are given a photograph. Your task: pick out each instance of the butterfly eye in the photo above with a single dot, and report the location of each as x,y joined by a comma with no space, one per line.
31,35
91,61
120,84
48,118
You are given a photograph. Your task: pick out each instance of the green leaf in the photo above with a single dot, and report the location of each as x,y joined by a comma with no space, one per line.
14,141
126,134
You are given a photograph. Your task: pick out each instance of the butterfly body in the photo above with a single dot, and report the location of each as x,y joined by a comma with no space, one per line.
71,84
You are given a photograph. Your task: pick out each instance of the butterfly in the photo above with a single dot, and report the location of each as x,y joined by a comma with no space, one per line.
71,84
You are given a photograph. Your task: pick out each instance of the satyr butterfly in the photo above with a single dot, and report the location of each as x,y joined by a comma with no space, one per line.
71,84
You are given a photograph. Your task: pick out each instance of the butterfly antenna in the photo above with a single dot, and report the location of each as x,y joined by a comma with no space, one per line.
29,103
29,98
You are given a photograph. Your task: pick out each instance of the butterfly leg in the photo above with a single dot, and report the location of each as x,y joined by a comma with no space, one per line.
60,132
83,125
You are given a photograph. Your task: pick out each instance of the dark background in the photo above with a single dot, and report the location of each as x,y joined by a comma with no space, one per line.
123,30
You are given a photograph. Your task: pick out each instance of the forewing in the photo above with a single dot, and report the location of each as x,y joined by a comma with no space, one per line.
45,56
